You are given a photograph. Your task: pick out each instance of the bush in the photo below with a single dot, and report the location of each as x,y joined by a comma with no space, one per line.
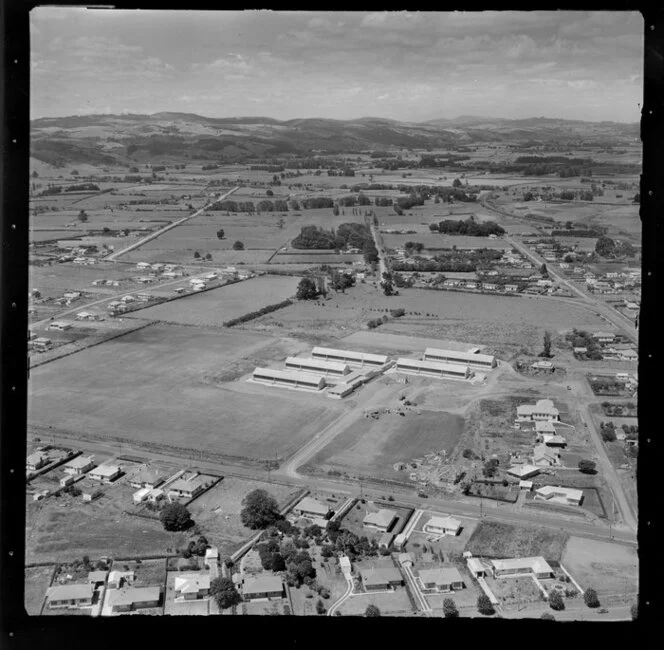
556,601
372,611
590,598
450,609
548,616
484,605
175,517
587,467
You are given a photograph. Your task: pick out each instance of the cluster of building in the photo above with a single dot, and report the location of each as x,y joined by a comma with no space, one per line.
447,364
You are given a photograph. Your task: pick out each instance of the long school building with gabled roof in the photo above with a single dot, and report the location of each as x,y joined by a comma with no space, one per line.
289,379
433,369
474,360
348,356
318,366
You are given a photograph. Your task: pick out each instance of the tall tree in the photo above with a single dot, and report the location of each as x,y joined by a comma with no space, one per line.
547,344
259,510
224,592
306,289
372,610
174,516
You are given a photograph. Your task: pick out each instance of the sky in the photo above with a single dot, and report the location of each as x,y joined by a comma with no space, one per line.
408,66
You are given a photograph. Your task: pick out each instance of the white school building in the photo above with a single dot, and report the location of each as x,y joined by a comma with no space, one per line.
474,360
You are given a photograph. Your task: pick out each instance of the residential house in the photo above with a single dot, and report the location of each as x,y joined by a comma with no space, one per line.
478,568
79,465
553,440
604,337
211,557
544,456
156,495
381,579
511,288
59,325
191,586
140,495
471,285
146,479
143,265
523,471
580,350
444,579
127,299
442,526
567,496
526,485
310,507
36,461
70,596
117,579
381,520
128,599
263,586
105,473
542,365
489,286
542,410
187,488
345,565
41,343
515,567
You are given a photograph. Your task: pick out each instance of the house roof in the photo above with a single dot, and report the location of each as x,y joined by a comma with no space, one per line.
448,523
192,582
317,364
551,490
542,406
381,576
442,576
537,564
131,595
475,564
211,552
289,375
187,485
349,355
97,576
147,476
552,439
105,470
344,561
262,584
523,470
116,576
36,457
79,461
383,518
542,452
70,592
308,504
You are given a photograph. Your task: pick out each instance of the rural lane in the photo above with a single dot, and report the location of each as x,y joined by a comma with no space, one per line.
114,256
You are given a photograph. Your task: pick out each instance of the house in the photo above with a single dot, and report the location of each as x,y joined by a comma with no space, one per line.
471,285
79,465
542,365
526,485
542,410
96,578
117,579
191,586
567,496
140,495
536,566
59,325
87,315
105,473
263,586
143,265
405,559
381,579
442,526
400,541
187,488
211,556
288,379
385,540
127,299
155,495
70,596
523,471
381,520
443,579
477,568
628,355
251,563
146,479
90,494
544,283
41,342
128,599
553,440
489,286
580,350
310,507
345,565
544,456
604,337
510,288
71,295
36,461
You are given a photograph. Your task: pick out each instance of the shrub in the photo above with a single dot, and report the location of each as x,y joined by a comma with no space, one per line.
450,609
484,605
590,598
556,601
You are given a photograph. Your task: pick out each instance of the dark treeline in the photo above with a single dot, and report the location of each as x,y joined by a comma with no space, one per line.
470,227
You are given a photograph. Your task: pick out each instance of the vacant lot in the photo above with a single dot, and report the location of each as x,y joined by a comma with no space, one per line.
497,540
395,603
165,380
213,308
608,568
37,581
371,447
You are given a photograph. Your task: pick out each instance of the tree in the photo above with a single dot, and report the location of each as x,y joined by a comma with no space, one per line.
456,183
220,233
387,285
547,345
269,193
281,223
35,174
238,246
636,199
197,255
450,609
174,516
278,562
306,290
208,256
590,598
335,210
605,246
224,592
82,216
484,605
544,271
320,607
372,610
556,602
548,616
259,510
587,466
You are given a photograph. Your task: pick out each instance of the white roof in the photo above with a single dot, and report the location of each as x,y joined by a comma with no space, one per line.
262,584
382,518
319,364
344,561
548,438
442,576
432,365
349,355
550,490
105,470
526,484
449,523
192,582
537,564
290,375
462,356
523,470
308,504
70,592
79,461
131,595
541,406
115,576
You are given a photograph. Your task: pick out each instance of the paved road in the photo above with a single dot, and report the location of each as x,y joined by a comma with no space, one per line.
344,598
114,256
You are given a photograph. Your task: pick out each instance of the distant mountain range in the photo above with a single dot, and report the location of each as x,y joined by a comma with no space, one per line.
111,139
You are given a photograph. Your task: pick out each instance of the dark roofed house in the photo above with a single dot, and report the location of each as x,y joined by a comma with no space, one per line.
381,579
131,598
147,478
70,596
263,586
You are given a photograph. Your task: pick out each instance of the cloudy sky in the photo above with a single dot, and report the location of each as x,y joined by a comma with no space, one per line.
406,66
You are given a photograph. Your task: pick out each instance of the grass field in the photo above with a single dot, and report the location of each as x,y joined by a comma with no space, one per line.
371,447
497,540
213,308
37,580
608,568
163,380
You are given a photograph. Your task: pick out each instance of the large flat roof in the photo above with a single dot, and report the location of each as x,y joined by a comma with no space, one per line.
349,354
320,364
465,356
289,375
570,493
105,470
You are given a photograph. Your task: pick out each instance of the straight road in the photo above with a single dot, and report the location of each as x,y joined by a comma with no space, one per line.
114,256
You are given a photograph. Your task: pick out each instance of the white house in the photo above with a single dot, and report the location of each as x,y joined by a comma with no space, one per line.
442,526
381,520
542,410
567,496
523,471
105,473
444,579
79,465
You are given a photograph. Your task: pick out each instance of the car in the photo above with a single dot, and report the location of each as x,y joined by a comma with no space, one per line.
422,495
569,388
603,611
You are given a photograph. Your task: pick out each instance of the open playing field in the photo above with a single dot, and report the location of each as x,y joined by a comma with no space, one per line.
371,447
153,384
213,308
37,580
608,568
497,540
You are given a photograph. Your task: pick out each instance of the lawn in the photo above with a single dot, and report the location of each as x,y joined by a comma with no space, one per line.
37,581
511,591
497,540
372,446
213,308
395,603
164,380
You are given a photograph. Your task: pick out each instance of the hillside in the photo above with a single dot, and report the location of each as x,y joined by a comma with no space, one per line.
110,139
